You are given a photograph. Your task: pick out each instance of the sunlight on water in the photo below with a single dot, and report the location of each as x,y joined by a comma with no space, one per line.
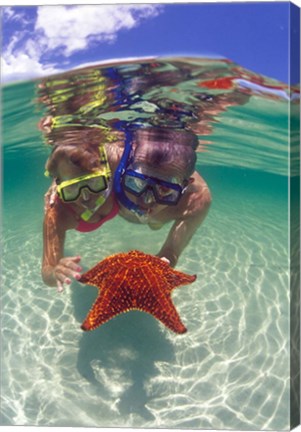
231,369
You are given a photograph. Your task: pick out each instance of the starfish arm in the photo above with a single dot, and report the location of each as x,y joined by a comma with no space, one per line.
176,279
112,300
162,308
152,294
170,318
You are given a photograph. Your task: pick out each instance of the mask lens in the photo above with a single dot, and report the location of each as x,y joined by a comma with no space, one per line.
164,192
97,184
71,192
167,194
135,185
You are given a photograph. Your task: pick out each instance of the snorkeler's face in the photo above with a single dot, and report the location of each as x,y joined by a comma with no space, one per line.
153,188
80,187
70,190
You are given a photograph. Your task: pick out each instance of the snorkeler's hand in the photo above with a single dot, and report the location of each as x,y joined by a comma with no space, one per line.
66,269
165,259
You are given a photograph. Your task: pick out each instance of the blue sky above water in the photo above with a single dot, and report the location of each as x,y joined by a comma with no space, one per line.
41,40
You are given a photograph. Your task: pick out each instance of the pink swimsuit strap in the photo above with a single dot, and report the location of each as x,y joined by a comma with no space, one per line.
84,226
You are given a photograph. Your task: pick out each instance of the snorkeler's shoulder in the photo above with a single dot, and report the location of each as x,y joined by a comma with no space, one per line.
195,201
198,180
199,190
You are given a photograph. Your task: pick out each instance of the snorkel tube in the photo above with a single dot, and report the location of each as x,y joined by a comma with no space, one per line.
119,191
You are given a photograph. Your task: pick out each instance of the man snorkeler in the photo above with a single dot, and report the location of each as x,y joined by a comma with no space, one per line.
159,184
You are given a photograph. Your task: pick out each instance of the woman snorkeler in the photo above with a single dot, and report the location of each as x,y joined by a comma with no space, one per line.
80,198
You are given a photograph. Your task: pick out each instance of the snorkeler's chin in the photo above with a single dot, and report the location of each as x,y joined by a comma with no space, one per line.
145,210
87,206
152,210
92,207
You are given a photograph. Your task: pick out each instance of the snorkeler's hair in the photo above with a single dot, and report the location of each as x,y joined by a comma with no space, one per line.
164,146
78,145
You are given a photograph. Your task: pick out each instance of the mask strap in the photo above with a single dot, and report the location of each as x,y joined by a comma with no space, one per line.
119,191
104,160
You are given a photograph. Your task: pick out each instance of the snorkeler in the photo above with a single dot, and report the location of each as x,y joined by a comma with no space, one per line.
158,184
80,198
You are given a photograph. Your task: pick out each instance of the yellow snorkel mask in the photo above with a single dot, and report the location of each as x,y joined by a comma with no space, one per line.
97,182
70,190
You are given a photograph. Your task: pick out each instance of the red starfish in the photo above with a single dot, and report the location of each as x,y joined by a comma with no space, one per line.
134,280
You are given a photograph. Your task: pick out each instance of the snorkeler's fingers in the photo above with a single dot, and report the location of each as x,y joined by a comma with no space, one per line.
75,259
62,274
71,269
60,286
72,274
63,279
65,275
165,259
67,270
71,262
73,266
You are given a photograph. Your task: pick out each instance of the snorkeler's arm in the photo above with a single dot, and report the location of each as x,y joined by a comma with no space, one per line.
56,269
53,245
184,228
50,196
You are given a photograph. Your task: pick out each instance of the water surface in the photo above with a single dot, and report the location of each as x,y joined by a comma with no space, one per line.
231,369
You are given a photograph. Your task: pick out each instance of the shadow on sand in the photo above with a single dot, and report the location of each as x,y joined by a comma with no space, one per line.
130,344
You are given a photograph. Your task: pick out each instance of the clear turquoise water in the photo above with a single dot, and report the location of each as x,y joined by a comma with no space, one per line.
230,370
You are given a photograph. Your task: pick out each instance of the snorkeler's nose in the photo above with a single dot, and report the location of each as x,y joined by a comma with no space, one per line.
148,197
85,194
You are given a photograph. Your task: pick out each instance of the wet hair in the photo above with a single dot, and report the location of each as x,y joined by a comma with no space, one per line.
163,147
78,145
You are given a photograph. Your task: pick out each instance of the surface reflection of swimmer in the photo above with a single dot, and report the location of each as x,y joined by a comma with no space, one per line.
158,185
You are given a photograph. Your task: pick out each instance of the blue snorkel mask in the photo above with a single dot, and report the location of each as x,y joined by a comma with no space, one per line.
164,192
